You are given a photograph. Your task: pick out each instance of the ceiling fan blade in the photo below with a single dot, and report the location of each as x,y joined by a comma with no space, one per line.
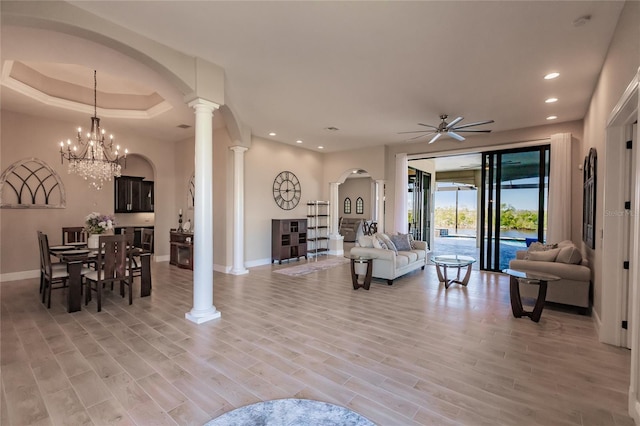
417,131
453,123
478,123
435,138
455,136
428,125
417,137
474,131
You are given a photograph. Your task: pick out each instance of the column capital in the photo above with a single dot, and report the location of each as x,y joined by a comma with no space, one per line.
238,148
203,103
380,181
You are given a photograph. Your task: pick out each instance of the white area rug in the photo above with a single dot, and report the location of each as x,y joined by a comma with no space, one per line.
291,412
312,266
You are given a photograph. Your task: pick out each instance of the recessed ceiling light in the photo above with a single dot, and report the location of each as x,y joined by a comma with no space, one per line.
551,100
272,134
321,147
298,141
551,76
552,117
354,172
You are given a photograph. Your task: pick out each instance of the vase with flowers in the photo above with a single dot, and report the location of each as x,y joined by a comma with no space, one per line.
97,224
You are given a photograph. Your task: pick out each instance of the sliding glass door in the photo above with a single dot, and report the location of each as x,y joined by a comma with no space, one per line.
514,203
419,208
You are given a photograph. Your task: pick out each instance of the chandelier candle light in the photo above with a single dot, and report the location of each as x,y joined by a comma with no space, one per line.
92,158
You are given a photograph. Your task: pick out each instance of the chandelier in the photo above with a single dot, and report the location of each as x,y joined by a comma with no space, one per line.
92,158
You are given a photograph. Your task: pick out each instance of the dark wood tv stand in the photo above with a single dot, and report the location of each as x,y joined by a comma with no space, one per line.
181,249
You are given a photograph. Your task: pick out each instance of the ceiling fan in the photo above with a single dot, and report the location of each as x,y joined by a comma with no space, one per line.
449,128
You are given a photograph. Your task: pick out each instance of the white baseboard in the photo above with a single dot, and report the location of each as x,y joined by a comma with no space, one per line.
222,268
259,262
597,321
634,406
22,275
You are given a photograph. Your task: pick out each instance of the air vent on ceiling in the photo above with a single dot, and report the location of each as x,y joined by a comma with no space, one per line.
331,128
183,126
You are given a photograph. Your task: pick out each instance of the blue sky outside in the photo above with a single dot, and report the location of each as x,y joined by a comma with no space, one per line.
521,199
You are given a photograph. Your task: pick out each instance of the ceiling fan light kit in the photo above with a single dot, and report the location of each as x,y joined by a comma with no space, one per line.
451,129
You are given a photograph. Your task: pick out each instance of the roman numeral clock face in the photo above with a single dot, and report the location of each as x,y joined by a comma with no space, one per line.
286,190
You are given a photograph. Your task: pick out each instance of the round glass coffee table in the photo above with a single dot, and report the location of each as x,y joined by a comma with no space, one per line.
447,261
361,260
539,278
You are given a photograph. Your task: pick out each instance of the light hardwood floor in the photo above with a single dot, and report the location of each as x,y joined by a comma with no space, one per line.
411,353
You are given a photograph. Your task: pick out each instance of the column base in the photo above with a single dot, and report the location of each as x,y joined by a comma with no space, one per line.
200,317
243,271
336,247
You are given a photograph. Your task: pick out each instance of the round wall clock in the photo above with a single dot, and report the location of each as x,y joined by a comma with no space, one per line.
286,190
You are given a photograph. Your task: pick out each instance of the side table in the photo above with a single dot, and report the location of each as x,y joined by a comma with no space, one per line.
517,277
361,260
453,261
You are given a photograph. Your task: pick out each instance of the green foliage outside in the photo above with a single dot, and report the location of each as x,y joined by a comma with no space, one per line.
510,218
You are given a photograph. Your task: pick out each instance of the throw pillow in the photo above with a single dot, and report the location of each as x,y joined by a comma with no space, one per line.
379,244
401,241
569,254
384,238
538,246
365,241
543,256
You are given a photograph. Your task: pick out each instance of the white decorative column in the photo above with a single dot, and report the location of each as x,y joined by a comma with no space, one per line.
336,240
203,309
380,204
238,211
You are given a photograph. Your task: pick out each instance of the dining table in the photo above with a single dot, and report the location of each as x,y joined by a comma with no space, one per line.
75,255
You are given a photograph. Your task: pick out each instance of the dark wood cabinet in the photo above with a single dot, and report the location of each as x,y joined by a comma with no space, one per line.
181,249
133,195
288,239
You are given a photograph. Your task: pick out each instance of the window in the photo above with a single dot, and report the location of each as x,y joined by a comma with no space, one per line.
347,205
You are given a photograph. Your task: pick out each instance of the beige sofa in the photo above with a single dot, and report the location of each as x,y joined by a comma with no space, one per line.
566,262
390,264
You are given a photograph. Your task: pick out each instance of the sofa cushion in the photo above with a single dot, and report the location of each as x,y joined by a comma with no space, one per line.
365,241
409,255
544,256
569,254
401,241
401,261
421,254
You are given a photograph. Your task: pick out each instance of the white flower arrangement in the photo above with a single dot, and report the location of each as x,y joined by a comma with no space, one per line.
96,223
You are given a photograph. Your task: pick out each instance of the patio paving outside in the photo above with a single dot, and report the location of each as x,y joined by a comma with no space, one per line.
467,246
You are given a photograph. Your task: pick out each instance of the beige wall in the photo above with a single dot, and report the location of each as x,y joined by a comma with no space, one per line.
24,136
263,161
353,188
339,165
621,65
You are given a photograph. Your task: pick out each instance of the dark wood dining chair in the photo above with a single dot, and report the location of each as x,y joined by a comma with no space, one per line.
73,234
145,250
113,266
50,274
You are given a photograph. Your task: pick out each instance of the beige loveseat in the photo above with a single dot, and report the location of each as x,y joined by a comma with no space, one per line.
564,261
390,263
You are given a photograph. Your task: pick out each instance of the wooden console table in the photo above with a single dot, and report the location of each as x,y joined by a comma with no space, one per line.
181,250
